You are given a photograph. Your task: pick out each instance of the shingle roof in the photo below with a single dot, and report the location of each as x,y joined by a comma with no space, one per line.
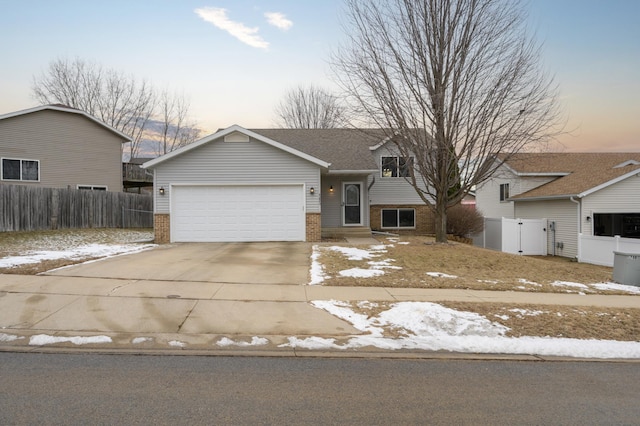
345,149
577,172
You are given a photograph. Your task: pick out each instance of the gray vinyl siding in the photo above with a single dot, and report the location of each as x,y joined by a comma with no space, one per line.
332,201
253,162
72,150
621,197
488,195
565,215
391,190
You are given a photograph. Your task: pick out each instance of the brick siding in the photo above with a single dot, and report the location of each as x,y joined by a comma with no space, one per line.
161,228
423,219
313,227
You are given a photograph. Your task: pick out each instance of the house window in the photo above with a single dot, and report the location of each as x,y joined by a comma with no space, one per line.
504,191
93,187
398,218
396,166
626,225
21,170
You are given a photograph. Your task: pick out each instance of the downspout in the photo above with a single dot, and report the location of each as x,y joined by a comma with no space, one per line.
579,224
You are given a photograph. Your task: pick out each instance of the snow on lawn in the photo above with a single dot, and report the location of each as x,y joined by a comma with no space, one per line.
619,287
44,339
440,275
81,252
429,326
352,253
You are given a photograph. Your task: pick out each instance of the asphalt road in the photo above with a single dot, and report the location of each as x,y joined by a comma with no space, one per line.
120,389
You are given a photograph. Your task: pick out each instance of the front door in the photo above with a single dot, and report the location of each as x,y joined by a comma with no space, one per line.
351,202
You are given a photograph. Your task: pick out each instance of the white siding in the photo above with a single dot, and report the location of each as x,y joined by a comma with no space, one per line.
488,195
236,163
72,149
622,197
565,215
391,190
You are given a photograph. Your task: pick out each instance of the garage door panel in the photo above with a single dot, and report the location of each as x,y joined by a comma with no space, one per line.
237,213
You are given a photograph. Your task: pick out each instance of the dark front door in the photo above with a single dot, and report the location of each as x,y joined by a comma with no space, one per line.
352,208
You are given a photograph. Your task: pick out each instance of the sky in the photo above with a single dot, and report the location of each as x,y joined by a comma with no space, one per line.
235,60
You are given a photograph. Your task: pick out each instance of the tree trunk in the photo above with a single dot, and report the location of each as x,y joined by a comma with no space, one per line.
441,222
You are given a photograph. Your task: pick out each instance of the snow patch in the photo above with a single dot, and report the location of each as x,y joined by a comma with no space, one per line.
139,340
91,250
361,273
441,275
317,269
619,287
569,284
9,337
255,341
177,344
44,339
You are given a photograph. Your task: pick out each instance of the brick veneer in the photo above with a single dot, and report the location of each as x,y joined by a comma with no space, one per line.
313,227
162,231
423,219
161,227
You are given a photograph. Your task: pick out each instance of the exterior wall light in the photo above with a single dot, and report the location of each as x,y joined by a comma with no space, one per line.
161,190
312,190
331,189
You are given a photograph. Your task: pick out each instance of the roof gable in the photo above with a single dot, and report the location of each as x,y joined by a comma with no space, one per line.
63,108
233,134
578,174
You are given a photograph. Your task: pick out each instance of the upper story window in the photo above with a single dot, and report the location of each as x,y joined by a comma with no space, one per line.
20,170
396,166
504,191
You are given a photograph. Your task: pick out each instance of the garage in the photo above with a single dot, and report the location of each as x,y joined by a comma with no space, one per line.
237,213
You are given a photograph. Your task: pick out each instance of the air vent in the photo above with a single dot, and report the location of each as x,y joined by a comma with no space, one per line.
236,137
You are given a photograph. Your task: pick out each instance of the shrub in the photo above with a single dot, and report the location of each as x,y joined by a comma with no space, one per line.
463,221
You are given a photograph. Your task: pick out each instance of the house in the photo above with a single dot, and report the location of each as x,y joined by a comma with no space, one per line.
590,201
284,185
55,146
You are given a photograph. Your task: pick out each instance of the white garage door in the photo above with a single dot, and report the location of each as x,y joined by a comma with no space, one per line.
237,213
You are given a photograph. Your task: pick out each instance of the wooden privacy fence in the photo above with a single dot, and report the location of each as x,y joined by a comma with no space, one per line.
26,208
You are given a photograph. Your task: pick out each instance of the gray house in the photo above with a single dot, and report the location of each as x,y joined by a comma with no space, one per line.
60,147
284,185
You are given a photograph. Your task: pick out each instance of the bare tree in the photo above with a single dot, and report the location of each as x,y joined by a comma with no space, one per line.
453,82
174,128
310,107
121,101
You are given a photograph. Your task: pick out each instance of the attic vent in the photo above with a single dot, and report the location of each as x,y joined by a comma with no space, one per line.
236,137
627,163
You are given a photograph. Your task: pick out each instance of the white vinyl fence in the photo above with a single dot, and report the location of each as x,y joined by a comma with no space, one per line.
599,250
526,237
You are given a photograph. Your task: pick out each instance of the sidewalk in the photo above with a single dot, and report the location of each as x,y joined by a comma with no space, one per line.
147,316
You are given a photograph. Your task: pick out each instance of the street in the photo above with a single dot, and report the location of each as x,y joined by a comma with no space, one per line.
138,389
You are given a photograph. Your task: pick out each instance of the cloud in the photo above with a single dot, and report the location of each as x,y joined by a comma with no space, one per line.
218,17
278,20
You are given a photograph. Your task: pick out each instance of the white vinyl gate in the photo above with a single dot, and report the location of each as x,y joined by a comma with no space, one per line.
524,236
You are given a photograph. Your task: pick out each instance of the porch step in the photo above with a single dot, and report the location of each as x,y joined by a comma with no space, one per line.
347,232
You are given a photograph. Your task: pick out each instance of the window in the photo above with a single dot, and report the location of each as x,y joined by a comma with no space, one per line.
22,170
398,218
504,191
396,166
626,225
93,187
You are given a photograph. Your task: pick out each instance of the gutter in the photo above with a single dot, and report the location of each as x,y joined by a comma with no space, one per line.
579,224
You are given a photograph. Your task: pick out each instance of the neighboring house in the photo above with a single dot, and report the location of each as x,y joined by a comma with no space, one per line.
284,185
56,146
591,201
135,178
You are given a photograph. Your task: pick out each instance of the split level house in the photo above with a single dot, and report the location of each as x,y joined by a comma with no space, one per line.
55,146
284,185
588,204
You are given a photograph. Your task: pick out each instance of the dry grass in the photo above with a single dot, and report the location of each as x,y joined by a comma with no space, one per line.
20,243
473,267
539,320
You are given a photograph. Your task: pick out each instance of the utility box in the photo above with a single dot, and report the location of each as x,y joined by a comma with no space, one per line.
626,268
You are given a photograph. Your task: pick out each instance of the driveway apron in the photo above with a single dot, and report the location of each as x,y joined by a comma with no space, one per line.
246,263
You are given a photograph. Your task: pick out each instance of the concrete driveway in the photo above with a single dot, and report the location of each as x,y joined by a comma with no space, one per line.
247,263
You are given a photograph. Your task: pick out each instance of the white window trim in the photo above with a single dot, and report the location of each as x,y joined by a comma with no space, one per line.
93,187
500,195
397,157
21,160
398,223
